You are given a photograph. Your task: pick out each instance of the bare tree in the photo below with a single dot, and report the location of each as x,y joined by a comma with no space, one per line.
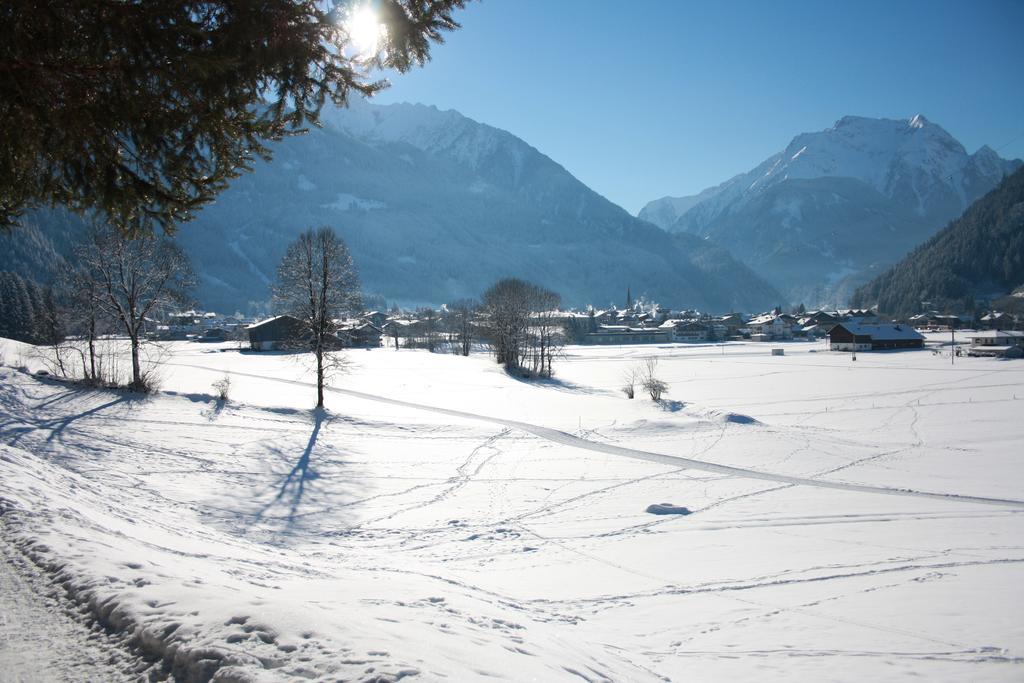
513,309
460,324
428,324
86,317
131,279
506,305
396,330
317,283
546,331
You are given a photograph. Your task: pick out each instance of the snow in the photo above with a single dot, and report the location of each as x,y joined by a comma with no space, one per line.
848,520
52,644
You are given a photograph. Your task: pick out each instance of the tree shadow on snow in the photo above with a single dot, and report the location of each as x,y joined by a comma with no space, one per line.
555,383
58,426
292,491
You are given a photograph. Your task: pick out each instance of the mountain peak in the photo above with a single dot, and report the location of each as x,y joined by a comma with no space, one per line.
986,152
837,202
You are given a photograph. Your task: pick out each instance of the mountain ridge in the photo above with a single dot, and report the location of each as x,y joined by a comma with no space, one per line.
435,207
893,182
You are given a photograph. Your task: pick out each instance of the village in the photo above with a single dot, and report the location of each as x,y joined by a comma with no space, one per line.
993,333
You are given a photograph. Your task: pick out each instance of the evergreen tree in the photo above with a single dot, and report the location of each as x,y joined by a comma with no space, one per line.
37,308
143,110
49,326
4,303
17,315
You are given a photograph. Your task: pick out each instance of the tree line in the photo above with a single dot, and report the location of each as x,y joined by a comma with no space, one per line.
27,310
121,285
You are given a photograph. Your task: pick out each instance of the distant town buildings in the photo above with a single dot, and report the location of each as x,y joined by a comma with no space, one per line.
997,343
998,333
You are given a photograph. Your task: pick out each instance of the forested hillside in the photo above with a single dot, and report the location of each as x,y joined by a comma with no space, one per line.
977,256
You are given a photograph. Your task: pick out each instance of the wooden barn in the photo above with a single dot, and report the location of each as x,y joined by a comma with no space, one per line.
850,336
282,332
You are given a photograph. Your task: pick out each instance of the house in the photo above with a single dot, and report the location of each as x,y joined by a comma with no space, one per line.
687,330
282,332
375,318
624,334
813,331
860,315
771,327
400,328
359,334
853,336
936,322
998,320
732,323
820,321
998,343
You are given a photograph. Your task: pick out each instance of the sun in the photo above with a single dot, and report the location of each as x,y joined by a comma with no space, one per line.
364,30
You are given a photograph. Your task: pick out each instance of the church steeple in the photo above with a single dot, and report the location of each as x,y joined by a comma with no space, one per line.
629,298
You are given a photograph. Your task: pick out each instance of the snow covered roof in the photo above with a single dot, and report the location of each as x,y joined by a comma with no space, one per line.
766,318
264,322
881,330
996,334
676,322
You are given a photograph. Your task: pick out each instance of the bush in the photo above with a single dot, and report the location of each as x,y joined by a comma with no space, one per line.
655,387
629,383
149,383
222,387
651,384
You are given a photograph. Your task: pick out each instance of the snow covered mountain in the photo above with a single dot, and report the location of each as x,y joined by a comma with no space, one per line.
436,206
835,206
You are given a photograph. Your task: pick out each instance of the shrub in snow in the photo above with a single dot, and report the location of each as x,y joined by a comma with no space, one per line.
629,383
222,387
147,383
655,387
651,384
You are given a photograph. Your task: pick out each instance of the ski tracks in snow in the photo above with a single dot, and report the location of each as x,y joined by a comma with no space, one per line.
675,461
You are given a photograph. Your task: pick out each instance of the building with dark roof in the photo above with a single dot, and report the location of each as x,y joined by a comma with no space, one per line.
852,336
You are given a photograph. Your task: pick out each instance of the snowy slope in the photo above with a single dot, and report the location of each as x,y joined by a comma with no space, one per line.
864,534
818,216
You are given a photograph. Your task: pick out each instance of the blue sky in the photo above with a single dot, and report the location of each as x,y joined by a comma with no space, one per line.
644,99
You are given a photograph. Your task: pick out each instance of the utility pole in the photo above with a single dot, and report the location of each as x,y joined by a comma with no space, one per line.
952,345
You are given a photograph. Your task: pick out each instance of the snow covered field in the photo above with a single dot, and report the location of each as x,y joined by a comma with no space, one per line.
850,520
